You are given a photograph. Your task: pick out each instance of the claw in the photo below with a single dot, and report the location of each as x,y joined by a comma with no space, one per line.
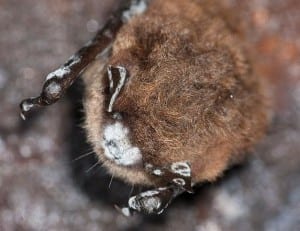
127,212
153,201
26,106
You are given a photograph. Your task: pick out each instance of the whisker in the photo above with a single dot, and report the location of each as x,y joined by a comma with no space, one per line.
83,155
93,166
100,166
111,179
131,191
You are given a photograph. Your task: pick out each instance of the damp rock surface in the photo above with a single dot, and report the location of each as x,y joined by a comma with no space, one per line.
43,188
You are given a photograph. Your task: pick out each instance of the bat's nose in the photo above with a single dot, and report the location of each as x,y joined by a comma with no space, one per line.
117,146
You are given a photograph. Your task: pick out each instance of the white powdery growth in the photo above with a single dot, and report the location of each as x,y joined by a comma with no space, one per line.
179,181
60,72
147,200
152,204
123,73
149,193
137,7
133,203
154,171
181,168
110,78
64,70
158,172
117,146
54,88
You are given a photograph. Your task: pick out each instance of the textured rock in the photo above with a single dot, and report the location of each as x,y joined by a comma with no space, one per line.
43,189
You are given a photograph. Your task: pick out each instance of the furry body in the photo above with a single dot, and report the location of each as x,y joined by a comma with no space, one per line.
190,94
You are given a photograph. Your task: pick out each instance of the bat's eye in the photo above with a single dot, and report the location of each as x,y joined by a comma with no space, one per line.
117,146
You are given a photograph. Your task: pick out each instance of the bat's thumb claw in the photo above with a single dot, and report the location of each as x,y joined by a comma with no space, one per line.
22,115
127,212
26,105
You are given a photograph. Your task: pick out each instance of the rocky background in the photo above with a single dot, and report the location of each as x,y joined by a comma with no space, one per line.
44,187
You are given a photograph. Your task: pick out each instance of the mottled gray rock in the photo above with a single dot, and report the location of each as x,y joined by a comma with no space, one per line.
43,189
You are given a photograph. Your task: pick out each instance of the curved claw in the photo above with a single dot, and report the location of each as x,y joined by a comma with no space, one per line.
26,105
127,212
52,91
153,201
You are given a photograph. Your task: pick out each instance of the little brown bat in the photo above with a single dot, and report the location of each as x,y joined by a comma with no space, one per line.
171,99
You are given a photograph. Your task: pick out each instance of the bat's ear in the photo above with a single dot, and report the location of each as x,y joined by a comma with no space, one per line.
115,86
178,174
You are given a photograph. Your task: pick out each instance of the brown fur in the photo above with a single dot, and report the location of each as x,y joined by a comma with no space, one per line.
191,95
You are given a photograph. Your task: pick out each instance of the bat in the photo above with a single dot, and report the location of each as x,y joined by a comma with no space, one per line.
171,98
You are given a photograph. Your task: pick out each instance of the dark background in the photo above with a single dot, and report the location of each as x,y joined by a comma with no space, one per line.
41,188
